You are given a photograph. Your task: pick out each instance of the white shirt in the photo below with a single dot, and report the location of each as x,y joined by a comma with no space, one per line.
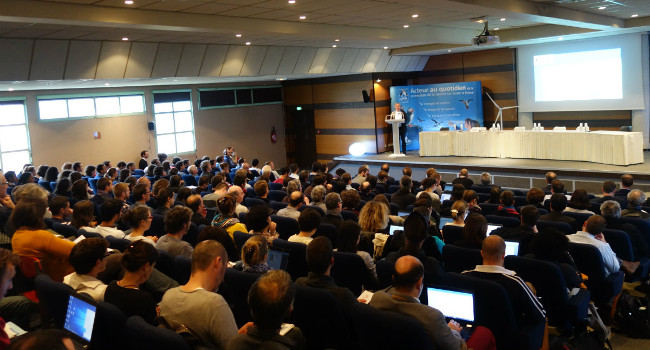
433,195
240,209
106,231
300,239
86,284
141,238
609,257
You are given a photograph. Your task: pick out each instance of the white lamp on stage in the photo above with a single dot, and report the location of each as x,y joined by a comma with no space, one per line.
499,120
395,119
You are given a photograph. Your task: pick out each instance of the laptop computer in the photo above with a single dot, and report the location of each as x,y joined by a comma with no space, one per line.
278,260
512,248
449,187
445,196
454,304
492,227
445,221
403,213
394,228
80,320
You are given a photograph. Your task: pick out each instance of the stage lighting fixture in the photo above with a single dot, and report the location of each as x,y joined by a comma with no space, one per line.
357,149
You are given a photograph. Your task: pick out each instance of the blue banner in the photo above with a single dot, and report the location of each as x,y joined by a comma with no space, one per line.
456,106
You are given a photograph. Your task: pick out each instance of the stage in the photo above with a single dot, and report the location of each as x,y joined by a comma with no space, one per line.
507,172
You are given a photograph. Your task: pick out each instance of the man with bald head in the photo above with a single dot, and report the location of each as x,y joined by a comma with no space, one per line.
463,178
403,297
296,200
592,234
528,310
238,193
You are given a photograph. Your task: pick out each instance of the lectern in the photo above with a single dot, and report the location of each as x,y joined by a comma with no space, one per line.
395,119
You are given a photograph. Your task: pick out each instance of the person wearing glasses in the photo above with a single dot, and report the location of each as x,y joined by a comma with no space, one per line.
139,220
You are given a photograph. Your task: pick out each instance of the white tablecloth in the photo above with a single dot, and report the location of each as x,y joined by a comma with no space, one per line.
607,147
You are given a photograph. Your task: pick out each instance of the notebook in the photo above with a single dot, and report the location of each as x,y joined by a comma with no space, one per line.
80,319
512,248
278,260
457,305
492,227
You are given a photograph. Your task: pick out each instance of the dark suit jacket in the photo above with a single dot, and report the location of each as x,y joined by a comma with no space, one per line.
402,199
142,164
622,192
465,181
555,216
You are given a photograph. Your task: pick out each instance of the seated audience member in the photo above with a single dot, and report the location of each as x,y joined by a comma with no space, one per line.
474,232
258,222
238,194
51,339
458,210
429,187
83,216
261,189
463,178
349,234
553,246
608,189
137,261
362,173
403,297
139,220
195,305
6,203
110,213
334,206
592,234
219,190
627,181
122,193
177,223
557,204
8,263
579,203
87,259
91,171
204,182
495,193
220,235
373,218
635,199
403,197
350,201
308,221
549,177
315,180
320,260
104,191
226,217
367,188
270,300
471,198
389,179
254,255
507,205
318,197
63,187
486,183
296,200
199,212
611,211
164,200
344,183
535,197
31,239
415,232
457,193
60,209
525,232
528,310
141,193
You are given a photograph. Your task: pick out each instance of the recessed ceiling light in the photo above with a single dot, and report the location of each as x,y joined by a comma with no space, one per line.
602,7
107,84
337,40
11,89
292,2
248,43
128,2
503,19
238,35
415,15
497,28
303,17
125,38
334,45
560,38
406,26
385,47
635,15
280,79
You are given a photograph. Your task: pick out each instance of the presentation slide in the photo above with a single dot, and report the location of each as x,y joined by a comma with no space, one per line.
453,304
593,74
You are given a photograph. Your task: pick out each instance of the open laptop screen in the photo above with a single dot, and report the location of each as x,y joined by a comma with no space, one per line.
278,260
445,196
80,318
452,304
512,248
445,221
394,228
492,227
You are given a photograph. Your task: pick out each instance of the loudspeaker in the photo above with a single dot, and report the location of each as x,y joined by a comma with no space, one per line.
366,96
151,126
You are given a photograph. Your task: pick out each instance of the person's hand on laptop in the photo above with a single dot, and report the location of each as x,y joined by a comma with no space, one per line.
455,326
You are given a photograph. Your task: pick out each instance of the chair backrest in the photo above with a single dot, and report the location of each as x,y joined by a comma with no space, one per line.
590,262
393,188
142,335
579,217
349,271
321,319
318,209
278,205
277,195
108,332
234,289
327,230
563,227
182,269
503,220
285,226
192,234
377,329
349,215
53,299
165,263
394,208
240,238
157,227
250,202
384,273
452,233
620,243
520,200
118,243
642,225
274,186
489,208
297,264
458,259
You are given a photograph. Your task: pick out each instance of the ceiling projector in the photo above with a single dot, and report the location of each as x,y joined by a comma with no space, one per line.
485,38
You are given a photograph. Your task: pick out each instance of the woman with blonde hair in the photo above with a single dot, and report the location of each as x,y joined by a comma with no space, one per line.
254,254
458,210
373,218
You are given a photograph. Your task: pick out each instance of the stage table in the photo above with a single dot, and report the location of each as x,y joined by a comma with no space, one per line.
607,147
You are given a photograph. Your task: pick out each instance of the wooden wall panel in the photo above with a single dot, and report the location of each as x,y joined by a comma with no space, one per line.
488,58
348,118
444,62
341,92
298,94
338,144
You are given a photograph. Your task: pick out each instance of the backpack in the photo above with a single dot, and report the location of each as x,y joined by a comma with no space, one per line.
632,316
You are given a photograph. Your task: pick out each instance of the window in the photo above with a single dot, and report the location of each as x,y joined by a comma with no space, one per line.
211,98
174,122
14,138
71,107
